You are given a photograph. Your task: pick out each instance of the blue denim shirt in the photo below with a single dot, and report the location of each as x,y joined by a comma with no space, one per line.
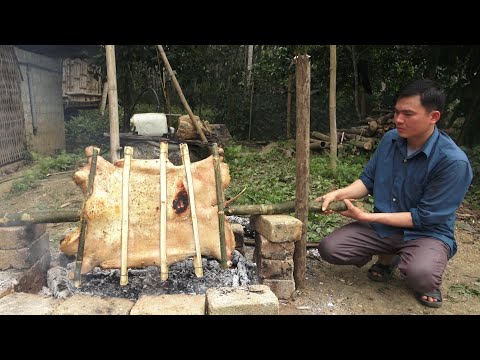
430,184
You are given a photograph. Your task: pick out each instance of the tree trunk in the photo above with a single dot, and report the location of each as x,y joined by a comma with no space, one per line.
355,77
103,103
302,160
113,103
333,108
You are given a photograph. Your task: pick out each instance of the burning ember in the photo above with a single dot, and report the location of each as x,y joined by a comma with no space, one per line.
146,281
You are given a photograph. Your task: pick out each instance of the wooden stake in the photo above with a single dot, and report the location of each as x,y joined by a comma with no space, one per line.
128,151
302,163
83,224
220,201
163,211
197,260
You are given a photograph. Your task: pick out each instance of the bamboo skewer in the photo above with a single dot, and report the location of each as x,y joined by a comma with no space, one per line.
220,201
83,224
128,151
197,260
163,211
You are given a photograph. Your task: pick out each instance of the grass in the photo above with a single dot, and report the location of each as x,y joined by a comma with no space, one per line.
41,167
270,178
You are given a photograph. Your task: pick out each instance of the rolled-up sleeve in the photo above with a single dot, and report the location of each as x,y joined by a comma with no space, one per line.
443,194
368,174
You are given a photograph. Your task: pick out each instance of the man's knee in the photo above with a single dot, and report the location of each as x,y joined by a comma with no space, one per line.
327,250
422,278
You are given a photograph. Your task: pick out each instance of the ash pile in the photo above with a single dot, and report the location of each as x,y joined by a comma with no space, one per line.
146,281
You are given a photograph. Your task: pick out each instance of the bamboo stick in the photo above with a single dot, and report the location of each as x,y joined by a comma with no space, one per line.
112,102
128,151
39,217
59,216
180,93
197,260
282,208
163,211
83,224
220,201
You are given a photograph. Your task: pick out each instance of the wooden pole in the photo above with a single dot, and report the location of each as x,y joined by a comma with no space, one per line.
197,259
289,105
302,73
103,103
180,94
332,99
83,222
282,208
60,216
220,201
39,217
163,211
113,103
128,151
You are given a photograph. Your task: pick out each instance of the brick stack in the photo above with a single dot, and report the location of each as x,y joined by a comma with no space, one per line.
274,246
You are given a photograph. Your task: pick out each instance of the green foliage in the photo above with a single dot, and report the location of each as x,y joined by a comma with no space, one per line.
43,166
473,195
87,128
270,178
467,289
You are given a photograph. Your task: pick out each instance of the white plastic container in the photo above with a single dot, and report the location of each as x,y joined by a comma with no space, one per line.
150,124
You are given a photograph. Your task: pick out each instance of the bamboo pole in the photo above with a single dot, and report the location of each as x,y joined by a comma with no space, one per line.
112,102
128,151
302,72
39,217
83,223
61,216
103,103
220,201
332,100
289,105
163,211
197,260
180,93
281,208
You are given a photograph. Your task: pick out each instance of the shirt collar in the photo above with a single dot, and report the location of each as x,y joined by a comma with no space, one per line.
426,148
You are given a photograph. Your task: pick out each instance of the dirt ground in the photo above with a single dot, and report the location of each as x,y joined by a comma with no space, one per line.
329,289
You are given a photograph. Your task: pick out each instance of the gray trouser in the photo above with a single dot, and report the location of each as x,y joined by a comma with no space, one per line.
423,260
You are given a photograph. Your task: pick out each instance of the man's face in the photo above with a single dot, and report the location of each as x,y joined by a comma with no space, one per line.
412,119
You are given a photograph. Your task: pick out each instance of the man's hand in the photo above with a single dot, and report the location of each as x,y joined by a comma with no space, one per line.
327,199
353,212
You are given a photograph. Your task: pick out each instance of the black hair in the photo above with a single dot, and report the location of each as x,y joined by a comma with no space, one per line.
432,96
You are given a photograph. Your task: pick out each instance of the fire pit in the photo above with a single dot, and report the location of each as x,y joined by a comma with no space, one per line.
146,281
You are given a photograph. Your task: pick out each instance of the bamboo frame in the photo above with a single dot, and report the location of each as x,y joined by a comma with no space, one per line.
77,280
220,203
163,211
128,154
197,260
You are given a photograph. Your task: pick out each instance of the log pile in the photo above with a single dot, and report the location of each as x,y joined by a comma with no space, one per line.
358,138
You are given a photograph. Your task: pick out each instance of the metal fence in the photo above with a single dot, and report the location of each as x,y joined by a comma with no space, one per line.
12,128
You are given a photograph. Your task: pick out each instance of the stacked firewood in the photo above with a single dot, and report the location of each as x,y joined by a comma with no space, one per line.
364,137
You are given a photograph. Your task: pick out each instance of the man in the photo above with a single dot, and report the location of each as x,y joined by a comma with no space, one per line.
418,177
